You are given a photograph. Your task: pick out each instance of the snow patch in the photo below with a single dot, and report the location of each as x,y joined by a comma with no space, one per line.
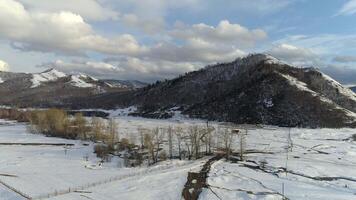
268,102
77,81
46,76
273,60
303,87
343,90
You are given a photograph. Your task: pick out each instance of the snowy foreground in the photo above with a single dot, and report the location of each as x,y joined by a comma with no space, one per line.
320,163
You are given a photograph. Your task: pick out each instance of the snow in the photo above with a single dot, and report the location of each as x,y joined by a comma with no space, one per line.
77,81
1,81
268,102
272,60
303,87
300,85
46,76
343,90
232,180
47,170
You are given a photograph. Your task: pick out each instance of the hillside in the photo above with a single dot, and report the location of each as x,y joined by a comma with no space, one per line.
254,89
257,89
50,88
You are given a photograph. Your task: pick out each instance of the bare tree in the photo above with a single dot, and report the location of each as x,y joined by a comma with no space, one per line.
242,142
170,143
207,139
158,140
228,136
80,125
148,143
152,142
142,132
98,128
195,136
113,133
180,136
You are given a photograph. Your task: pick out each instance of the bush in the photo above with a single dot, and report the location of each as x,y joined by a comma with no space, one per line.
163,155
353,137
124,144
102,151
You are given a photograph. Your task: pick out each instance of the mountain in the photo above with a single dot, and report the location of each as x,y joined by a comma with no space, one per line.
257,89
353,88
50,88
134,84
254,89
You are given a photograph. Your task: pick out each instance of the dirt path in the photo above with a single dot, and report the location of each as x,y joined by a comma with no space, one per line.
196,181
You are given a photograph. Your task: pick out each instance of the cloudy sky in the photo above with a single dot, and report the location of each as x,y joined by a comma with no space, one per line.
156,39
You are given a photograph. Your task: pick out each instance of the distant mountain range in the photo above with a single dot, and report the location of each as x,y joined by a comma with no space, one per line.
257,89
54,88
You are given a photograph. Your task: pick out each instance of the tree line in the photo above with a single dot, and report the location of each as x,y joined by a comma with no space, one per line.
157,144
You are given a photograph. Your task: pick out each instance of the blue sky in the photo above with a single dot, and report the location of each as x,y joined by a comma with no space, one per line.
157,39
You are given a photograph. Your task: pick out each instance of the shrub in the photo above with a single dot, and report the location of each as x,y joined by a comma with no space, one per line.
353,137
163,155
102,151
124,144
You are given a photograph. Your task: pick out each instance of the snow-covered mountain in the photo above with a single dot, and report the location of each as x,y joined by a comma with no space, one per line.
353,88
50,88
126,83
254,89
46,76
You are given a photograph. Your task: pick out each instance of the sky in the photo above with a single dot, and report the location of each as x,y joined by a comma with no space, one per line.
151,40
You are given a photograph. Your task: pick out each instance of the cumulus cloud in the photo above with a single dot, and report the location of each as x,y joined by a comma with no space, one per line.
348,8
42,27
89,9
4,66
293,54
64,32
224,33
194,51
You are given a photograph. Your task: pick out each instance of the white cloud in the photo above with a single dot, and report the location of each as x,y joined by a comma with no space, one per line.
223,33
88,9
348,8
193,51
293,54
125,68
43,27
4,66
63,32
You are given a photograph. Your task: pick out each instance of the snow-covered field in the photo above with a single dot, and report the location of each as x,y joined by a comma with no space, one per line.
320,163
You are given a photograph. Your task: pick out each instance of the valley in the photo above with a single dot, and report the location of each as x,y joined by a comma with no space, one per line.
308,165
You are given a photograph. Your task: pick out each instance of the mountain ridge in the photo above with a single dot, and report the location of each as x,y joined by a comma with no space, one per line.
254,89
